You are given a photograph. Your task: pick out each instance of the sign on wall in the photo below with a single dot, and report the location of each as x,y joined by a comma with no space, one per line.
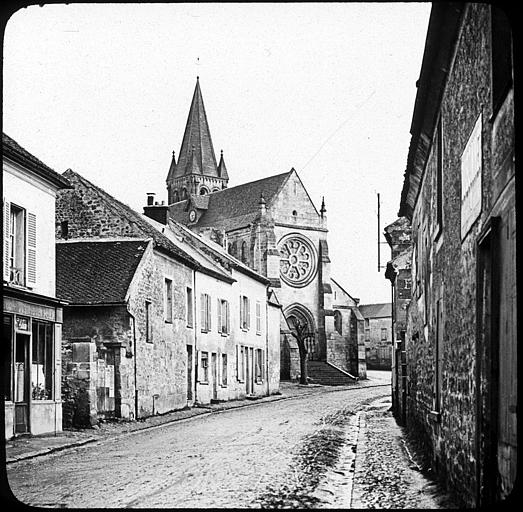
471,179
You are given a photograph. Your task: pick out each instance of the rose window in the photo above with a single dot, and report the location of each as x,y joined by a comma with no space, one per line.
297,261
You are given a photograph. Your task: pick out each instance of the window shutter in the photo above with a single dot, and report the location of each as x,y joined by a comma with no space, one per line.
227,321
248,319
209,323
7,229
218,306
31,249
202,308
237,362
241,312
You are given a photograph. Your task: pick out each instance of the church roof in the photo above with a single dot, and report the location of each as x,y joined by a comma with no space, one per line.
233,207
197,152
381,310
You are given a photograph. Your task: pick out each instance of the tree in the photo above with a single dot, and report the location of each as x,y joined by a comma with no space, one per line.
299,331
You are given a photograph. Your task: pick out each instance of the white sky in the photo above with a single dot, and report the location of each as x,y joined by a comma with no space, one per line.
325,88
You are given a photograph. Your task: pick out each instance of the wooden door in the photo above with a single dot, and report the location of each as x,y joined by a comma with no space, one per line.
21,386
105,383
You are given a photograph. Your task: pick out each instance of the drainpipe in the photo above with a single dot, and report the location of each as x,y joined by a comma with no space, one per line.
195,352
267,339
135,354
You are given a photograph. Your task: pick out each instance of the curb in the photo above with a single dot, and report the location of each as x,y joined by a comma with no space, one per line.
206,412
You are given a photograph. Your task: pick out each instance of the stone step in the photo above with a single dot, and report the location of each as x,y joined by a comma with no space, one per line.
323,373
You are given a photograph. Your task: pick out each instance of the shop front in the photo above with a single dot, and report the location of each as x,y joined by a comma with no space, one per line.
32,327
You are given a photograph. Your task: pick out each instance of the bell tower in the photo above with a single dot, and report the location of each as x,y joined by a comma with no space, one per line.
196,171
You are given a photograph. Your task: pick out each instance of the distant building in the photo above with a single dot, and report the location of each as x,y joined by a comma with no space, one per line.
32,324
459,197
269,224
398,236
377,335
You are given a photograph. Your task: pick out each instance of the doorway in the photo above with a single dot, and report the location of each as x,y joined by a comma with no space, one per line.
214,370
21,383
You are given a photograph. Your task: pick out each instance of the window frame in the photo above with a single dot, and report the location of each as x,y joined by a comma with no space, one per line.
168,300
258,318
148,322
189,314
203,375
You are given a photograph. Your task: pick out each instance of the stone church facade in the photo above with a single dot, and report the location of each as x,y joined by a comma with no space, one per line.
270,224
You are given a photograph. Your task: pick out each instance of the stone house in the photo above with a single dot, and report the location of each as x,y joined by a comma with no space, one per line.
269,224
378,335
237,339
32,323
459,196
398,271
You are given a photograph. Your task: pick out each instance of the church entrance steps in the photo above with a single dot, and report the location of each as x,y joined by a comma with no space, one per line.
328,375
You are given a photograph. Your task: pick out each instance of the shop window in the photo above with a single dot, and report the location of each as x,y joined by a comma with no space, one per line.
42,362
204,376
7,356
189,308
224,369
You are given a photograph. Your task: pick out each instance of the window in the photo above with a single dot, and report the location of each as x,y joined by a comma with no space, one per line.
258,317
205,304
367,334
64,229
204,377
367,322
189,307
223,316
240,363
258,363
384,334
245,313
338,322
19,245
168,300
148,323
243,255
224,369
42,362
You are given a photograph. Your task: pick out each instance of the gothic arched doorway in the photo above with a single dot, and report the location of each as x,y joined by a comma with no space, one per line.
298,313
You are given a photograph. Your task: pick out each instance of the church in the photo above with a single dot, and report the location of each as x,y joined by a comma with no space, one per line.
272,226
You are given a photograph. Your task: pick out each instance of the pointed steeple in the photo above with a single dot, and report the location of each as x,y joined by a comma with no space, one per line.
197,135
222,169
172,169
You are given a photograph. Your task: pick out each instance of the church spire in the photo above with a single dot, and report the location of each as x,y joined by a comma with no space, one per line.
222,169
197,135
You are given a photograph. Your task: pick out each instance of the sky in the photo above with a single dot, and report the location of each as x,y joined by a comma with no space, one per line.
326,88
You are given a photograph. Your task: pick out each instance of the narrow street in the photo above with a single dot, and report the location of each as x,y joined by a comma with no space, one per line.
268,454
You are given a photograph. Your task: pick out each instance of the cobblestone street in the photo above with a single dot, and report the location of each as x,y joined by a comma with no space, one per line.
298,451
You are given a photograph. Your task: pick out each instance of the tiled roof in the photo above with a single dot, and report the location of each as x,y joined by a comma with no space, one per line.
12,149
96,272
376,310
144,228
233,207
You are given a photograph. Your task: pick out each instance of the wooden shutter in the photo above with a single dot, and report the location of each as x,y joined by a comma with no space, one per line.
227,320
219,307
202,312
248,319
7,238
31,249
241,312
209,323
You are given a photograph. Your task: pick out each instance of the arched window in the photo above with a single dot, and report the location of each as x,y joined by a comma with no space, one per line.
176,197
243,256
184,194
232,250
203,191
337,322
